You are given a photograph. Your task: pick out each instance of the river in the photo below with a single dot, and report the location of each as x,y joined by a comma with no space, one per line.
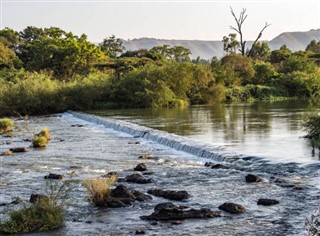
247,138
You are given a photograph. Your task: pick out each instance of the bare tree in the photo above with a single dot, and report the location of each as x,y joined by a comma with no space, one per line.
240,20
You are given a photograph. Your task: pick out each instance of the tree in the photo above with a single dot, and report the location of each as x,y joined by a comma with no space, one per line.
177,53
112,46
8,57
230,44
260,51
239,21
313,46
10,38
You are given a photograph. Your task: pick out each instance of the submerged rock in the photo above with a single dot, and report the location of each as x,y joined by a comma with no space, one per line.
233,208
140,167
147,156
138,179
54,176
19,149
170,194
168,211
267,202
6,153
252,178
215,166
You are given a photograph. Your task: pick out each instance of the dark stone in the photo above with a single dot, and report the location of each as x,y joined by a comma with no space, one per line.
252,178
177,222
233,208
122,191
140,231
169,211
141,197
121,196
77,125
170,194
37,197
140,167
53,176
215,166
19,149
267,202
117,202
138,179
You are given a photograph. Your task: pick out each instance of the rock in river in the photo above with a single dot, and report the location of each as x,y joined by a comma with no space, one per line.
252,178
168,211
121,196
170,194
138,179
233,208
19,149
267,202
140,167
53,176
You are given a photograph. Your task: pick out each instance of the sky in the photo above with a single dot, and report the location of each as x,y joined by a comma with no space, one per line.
165,19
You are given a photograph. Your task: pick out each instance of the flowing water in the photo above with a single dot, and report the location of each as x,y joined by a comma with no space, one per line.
103,145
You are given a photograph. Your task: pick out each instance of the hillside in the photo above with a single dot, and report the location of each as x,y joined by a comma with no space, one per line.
207,49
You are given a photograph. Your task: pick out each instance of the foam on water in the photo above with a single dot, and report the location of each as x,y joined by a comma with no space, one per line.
179,143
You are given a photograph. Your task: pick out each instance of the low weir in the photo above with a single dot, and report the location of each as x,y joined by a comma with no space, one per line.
176,142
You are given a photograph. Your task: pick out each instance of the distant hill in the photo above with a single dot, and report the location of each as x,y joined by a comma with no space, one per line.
207,49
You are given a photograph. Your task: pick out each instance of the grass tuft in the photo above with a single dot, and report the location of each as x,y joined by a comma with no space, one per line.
6,125
99,189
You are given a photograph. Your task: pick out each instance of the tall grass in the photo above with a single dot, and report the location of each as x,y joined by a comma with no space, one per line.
99,189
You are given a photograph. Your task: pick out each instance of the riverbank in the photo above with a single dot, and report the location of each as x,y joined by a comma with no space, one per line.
79,150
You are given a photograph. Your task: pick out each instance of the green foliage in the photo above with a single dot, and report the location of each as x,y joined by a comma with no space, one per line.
6,125
313,46
230,43
99,189
264,73
43,215
312,125
39,141
112,46
260,51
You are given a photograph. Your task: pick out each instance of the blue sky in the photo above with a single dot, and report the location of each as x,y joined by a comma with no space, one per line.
202,20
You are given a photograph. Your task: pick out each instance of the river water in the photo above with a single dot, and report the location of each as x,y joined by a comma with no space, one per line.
94,150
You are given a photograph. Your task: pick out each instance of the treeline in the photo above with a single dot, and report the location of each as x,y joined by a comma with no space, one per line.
47,70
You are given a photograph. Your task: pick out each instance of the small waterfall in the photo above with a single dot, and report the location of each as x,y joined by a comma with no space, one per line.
176,142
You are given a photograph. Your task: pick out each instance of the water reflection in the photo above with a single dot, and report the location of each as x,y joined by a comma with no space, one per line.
271,130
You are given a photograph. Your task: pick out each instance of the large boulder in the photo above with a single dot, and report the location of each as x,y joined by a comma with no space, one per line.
233,208
168,211
121,196
170,194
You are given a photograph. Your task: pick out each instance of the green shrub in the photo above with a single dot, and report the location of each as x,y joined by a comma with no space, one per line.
45,132
45,214
39,141
6,125
99,189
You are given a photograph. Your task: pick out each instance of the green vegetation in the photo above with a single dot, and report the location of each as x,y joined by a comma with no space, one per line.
47,70
313,127
6,125
99,189
41,139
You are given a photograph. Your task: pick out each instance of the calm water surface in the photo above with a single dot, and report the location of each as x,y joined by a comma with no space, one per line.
269,130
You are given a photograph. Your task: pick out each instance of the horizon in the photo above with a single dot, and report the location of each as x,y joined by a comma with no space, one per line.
176,20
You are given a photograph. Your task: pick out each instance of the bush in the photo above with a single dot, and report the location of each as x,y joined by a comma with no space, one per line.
99,189
6,125
45,214
45,132
39,141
